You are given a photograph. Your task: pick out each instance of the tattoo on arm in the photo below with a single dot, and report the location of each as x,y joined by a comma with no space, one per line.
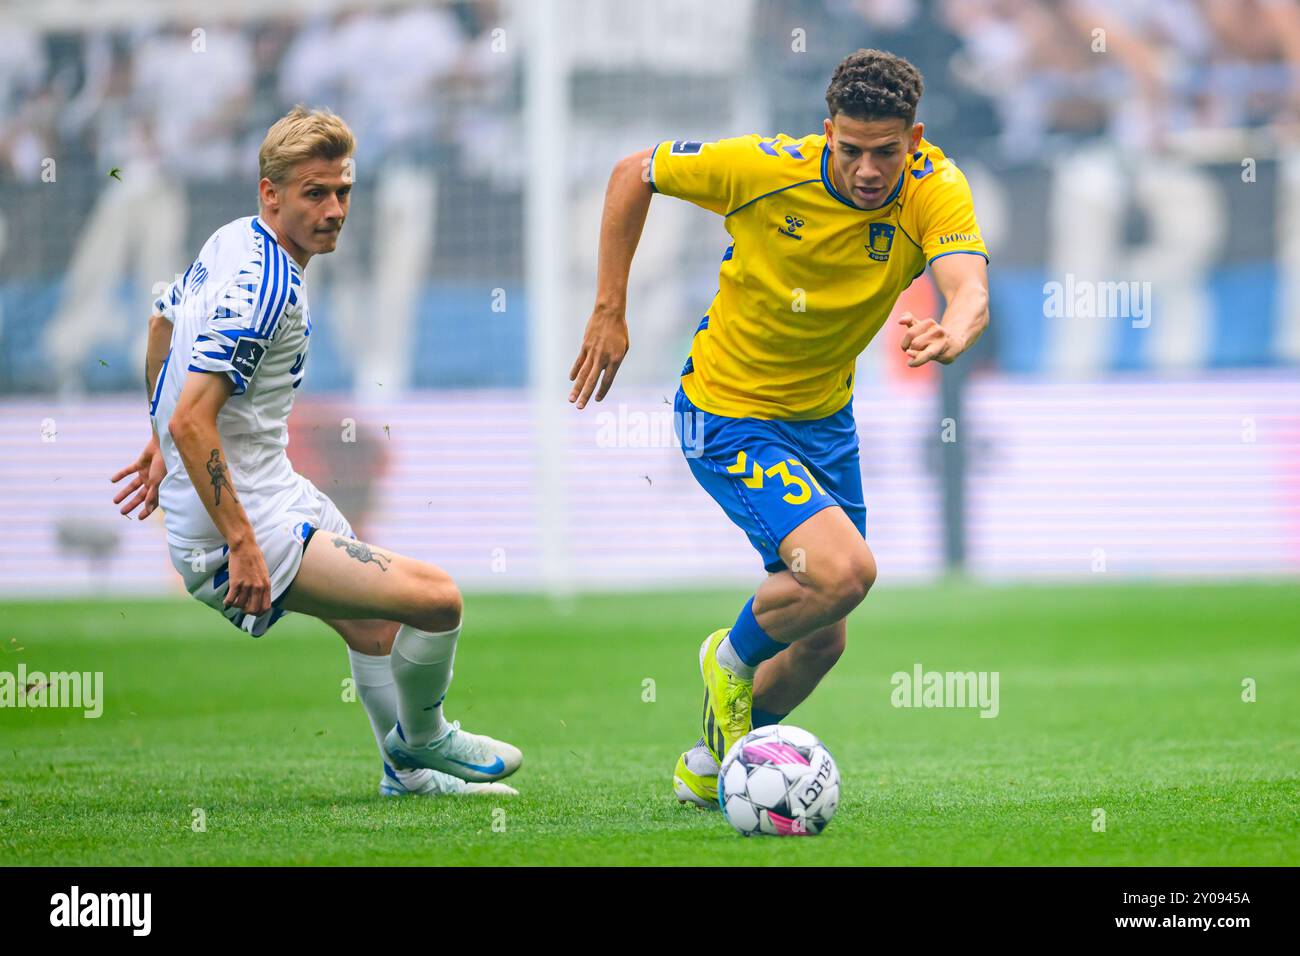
362,553
217,470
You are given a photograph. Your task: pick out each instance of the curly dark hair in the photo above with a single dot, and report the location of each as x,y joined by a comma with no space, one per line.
873,84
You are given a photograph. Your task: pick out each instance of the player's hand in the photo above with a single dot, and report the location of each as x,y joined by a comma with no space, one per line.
148,470
926,340
250,585
604,345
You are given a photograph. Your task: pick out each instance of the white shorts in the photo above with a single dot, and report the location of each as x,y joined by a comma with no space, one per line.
207,570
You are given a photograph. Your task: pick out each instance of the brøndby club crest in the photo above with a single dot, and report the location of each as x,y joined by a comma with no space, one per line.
880,239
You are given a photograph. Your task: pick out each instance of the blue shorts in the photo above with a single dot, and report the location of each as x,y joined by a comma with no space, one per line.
772,476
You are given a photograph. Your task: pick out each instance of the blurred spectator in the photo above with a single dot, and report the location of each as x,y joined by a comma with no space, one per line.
393,109
196,87
402,133
1254,74
1157,44
25,127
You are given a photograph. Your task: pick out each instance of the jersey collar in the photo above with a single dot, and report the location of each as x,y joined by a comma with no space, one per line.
830,186
259,225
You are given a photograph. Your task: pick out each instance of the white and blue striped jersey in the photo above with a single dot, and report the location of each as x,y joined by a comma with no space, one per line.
239,310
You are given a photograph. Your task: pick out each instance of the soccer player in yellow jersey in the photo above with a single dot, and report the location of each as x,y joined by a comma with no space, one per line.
827,230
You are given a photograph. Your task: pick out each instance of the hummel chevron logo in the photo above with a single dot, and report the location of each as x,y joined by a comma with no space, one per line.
753,481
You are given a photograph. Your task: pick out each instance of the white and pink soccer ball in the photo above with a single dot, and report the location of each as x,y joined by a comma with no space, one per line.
779,780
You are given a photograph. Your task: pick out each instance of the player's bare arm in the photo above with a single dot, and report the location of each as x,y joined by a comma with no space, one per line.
159,343
150,468
964,282
605,341
193,427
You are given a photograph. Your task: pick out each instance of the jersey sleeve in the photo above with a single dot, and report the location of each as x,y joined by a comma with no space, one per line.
238,331
946,216
165,305
720,176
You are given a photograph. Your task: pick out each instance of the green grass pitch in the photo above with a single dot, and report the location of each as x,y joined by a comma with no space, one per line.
1126,698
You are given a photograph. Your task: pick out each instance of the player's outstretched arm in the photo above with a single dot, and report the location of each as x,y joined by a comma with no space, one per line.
150,468
964,282
193,428
605,342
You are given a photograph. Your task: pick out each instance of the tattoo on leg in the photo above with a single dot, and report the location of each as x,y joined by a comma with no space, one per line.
217,470
362,553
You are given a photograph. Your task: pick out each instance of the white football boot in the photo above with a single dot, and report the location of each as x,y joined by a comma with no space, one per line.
471,757
431,783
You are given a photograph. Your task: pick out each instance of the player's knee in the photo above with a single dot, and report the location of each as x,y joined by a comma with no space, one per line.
848,582
439,605
445,607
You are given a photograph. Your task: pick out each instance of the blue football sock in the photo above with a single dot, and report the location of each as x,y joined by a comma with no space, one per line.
750,642
765,718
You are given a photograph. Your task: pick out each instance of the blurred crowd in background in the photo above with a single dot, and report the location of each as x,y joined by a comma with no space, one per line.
436,93
410,79
1038,76
1138,150
1029,75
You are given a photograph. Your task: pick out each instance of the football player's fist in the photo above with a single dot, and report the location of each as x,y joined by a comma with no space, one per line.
925,340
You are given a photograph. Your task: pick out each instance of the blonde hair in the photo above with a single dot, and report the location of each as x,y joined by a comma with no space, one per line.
301,134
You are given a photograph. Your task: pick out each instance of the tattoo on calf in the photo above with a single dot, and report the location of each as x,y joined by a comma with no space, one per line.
217,471
363,553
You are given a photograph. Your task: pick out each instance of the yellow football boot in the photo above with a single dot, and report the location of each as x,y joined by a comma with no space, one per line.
728,699
695,778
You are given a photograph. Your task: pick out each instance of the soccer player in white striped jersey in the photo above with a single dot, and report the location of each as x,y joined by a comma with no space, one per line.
252,538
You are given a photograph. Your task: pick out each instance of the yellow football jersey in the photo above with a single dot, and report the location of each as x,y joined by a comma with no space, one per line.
809,278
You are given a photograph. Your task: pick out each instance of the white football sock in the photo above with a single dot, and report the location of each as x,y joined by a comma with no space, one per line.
374,679
729,659
422,669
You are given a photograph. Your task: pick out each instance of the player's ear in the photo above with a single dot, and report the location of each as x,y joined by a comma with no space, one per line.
830,132
266,192
918,130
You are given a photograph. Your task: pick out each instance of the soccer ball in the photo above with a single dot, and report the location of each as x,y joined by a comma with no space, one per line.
779,780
